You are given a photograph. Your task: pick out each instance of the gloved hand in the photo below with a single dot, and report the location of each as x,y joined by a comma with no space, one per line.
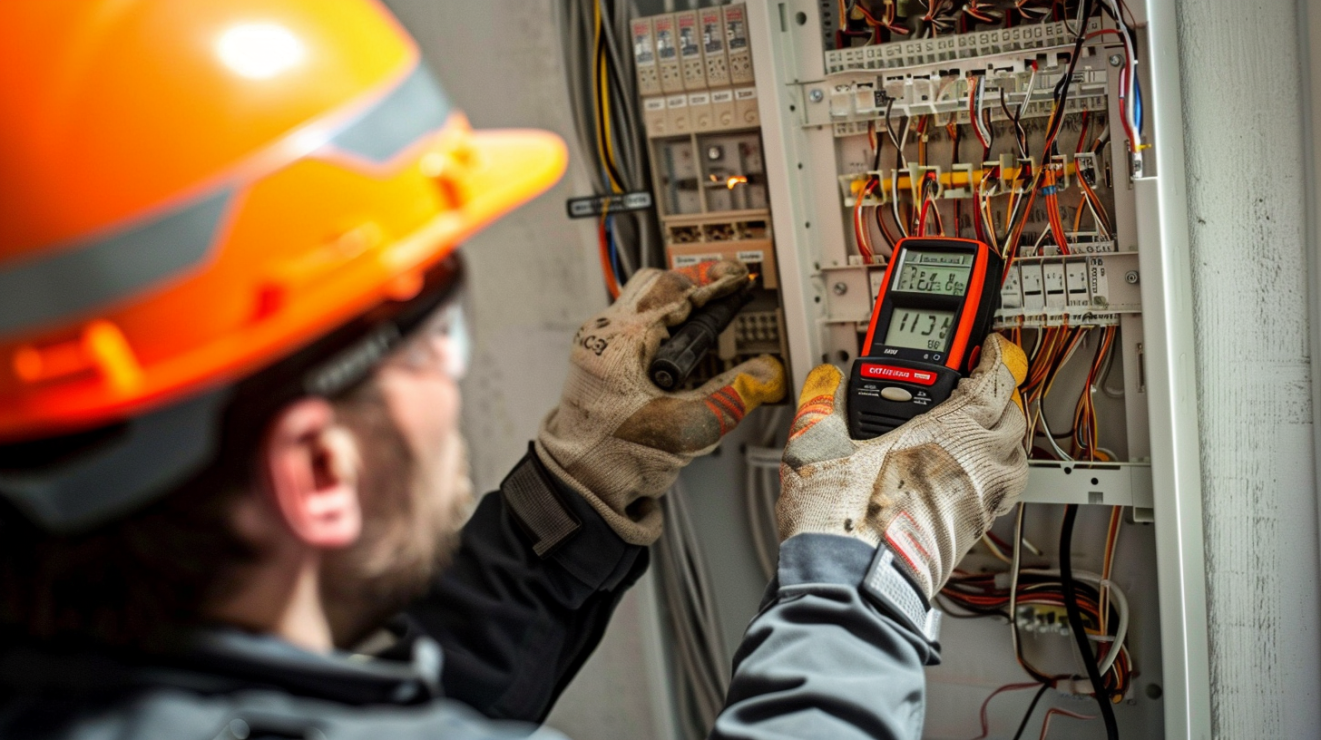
618,439
930,488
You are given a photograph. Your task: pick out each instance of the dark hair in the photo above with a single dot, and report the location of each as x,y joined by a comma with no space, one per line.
133,582
144,579
137,580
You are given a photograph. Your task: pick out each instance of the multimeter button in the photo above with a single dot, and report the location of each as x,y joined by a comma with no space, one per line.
896,394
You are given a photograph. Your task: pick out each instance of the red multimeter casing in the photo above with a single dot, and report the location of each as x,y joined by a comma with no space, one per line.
932,314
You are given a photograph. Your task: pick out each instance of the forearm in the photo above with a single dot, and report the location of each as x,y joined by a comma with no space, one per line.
524,603
821,659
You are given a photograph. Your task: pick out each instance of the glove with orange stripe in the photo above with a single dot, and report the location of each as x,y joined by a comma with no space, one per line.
618,439
928,489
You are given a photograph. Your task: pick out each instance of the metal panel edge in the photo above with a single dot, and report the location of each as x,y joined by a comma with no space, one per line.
774,57
1172,384
1100,484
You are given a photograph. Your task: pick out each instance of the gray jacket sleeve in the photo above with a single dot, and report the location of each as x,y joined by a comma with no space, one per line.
829,655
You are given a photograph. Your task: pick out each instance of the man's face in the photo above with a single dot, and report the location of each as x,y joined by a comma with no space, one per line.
413,486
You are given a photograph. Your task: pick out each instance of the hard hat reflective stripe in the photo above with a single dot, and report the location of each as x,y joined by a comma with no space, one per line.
96,272
406,113
93,273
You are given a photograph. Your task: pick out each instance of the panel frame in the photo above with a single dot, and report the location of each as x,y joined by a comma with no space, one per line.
788,54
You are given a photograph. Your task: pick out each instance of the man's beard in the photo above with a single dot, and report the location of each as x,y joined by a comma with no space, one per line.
412,512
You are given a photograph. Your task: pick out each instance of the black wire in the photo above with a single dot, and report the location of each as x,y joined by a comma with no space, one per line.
1028,714
1101,693
1020,135
889,128
880,144
1062,87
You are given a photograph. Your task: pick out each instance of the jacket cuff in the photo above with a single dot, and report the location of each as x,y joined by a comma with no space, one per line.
889,586
826,558
561,526
534,498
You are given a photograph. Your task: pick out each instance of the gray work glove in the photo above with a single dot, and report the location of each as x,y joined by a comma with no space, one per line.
618,439
930,488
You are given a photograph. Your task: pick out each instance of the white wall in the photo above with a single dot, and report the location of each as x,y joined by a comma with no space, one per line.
534,279
1243,100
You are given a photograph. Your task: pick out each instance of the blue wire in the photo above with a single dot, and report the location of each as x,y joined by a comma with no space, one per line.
1137,104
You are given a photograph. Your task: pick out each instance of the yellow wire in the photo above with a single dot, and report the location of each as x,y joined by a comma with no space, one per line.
603,102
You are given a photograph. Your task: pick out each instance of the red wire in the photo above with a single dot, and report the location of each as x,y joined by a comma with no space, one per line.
859,224
986,728
1053,711
1082,135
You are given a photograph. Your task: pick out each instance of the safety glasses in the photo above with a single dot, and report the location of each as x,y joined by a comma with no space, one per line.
425,332
441,343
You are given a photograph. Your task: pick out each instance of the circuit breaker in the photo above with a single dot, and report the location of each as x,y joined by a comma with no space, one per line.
707,162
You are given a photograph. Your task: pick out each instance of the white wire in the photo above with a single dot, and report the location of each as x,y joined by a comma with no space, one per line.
761,466
702,661
1027,97
753,501
1013,576
1041,416
1105,376
1116,593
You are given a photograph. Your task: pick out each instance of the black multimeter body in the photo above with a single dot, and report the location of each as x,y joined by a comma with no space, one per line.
932,314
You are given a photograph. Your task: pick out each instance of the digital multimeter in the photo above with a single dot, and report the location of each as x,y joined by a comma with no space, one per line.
932,314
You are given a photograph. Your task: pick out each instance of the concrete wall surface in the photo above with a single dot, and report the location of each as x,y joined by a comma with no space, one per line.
1243,104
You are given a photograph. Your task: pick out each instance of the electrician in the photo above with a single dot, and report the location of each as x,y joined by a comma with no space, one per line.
231,328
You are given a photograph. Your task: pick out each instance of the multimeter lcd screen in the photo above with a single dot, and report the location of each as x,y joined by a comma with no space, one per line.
939,273
919,328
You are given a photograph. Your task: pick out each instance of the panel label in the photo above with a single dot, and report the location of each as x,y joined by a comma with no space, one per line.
688,260
643,54
890,372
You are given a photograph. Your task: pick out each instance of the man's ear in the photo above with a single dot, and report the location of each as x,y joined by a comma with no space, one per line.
310,466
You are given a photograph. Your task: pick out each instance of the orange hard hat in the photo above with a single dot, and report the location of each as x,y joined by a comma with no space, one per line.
194,190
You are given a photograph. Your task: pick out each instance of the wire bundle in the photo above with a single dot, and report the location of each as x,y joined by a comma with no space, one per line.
1086,445
603,93
1079,593
987,595
701,661
761,475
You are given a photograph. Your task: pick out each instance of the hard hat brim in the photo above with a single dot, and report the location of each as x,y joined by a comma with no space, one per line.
484,174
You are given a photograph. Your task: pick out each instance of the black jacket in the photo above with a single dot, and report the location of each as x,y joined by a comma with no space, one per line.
488,650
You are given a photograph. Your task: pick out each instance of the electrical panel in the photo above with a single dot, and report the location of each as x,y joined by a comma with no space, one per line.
806,138
952,128
709,172
1035,130
975,135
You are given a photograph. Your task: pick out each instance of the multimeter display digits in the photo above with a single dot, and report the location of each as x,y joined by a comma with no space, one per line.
931,316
